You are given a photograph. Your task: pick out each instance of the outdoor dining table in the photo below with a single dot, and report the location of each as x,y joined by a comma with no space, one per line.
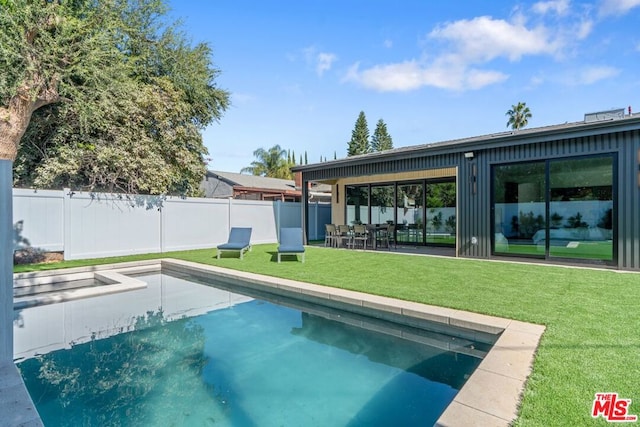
373,230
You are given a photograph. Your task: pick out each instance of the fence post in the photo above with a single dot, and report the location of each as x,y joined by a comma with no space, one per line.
6,260
162,230
66,222
315,225
278,218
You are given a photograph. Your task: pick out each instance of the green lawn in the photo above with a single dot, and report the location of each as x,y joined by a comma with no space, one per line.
592,341
597,250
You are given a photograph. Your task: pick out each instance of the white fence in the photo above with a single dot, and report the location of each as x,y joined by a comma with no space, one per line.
90,225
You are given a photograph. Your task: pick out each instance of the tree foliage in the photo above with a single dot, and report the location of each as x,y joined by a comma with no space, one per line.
359,143
381,140
272,163
519,116
108,96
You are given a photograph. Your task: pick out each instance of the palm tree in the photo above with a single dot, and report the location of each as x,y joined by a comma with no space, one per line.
272,163
519,116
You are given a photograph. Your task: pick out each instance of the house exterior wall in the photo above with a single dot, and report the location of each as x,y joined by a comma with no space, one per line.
473,176
476,209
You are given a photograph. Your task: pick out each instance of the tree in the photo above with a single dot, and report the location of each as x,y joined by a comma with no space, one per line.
359,143
381,140
272,163
519,116
104,95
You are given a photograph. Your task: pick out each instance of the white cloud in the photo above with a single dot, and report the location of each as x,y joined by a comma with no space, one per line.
467,46
411,75
583,29
591,75
617,7
560,7
484,39
388,43
322,61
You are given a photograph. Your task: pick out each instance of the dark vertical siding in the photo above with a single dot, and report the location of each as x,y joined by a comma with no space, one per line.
624,145
474,210
628,201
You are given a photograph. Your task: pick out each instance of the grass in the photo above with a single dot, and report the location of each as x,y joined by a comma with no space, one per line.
597,250
592,342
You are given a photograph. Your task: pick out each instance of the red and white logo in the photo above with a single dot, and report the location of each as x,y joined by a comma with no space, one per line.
612,409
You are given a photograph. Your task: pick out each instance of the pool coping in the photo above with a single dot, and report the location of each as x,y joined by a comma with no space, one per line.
490,397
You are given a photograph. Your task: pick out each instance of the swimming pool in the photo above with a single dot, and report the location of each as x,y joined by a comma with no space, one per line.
183,353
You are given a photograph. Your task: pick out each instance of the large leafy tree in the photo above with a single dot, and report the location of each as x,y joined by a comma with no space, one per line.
381,140
519,116
271,163
359,143
102,94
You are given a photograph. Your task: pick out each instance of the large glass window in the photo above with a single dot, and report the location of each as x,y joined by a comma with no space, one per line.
519,209
424,212
382,204
357,204
581,208
410,213
570,216
441,213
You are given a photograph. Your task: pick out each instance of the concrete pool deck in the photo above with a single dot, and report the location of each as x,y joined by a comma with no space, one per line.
490,397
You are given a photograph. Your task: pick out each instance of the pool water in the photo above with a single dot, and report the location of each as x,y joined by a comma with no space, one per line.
181,353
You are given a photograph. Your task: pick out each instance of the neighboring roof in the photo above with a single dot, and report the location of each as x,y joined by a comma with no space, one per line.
252,181
540,134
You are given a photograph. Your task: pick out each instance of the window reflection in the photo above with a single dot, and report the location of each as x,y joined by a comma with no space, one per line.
581,208
579,205
519,207
410,213
357,204
441,213
382,204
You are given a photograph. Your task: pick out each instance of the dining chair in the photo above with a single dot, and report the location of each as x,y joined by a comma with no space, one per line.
330,235
360,235
344,236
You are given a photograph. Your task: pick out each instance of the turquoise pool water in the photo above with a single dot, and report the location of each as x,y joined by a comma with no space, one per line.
183,354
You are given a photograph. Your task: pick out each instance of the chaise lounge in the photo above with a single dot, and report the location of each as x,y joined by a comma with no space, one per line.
290,242
239,241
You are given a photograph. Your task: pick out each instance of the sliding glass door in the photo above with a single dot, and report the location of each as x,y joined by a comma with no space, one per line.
382,204
357,204
581,208
410,212
557,208
441,213
519,209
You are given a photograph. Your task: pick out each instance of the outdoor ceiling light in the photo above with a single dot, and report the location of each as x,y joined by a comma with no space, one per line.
468,155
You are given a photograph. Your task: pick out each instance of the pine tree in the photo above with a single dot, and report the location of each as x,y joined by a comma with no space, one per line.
381,140
359,143
306,161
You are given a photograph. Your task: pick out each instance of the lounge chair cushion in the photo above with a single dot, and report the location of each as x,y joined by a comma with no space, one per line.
290,242
239,240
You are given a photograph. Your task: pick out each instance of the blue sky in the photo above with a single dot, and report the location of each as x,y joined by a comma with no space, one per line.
300,71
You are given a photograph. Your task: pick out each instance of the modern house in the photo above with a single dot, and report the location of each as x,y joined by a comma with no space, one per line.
567,193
